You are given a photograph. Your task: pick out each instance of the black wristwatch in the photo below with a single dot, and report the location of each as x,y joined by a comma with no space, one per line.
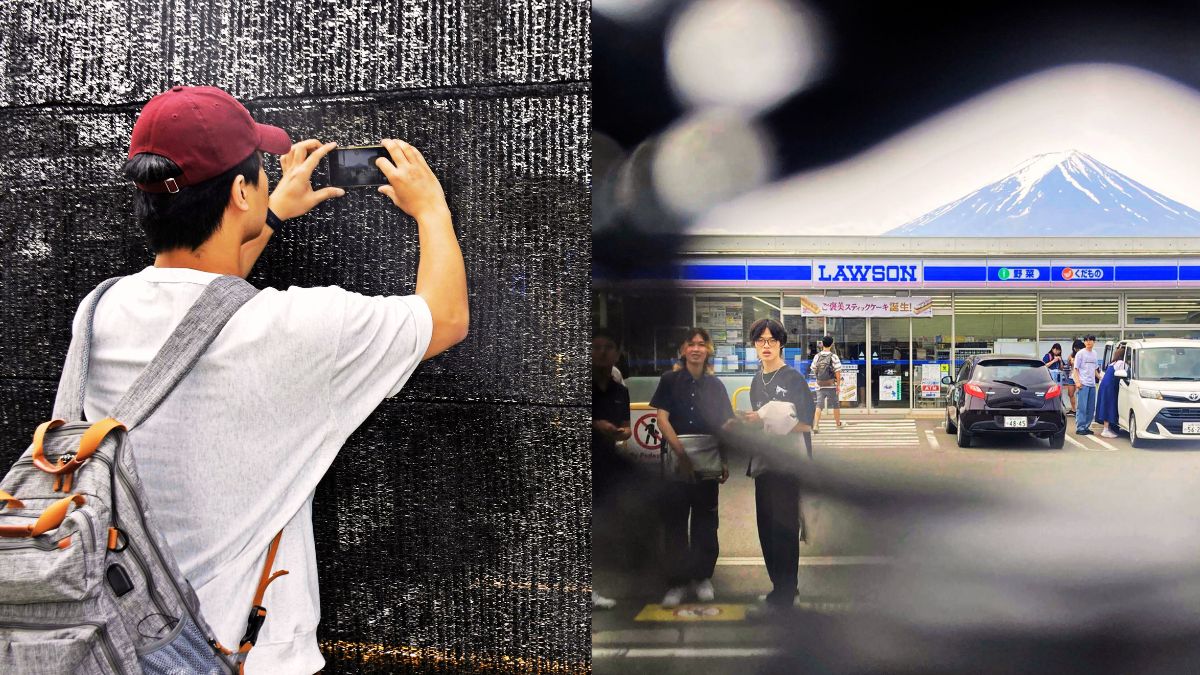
274,221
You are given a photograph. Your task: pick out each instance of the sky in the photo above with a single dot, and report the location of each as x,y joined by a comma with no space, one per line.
1134,121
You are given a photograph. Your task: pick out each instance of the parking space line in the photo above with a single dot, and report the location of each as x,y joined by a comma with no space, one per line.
933,441
1103,444
682,652
1072,441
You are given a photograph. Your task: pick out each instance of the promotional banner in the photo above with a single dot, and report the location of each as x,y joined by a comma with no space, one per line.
820,305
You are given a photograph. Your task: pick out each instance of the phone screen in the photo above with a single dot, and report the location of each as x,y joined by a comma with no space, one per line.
355,166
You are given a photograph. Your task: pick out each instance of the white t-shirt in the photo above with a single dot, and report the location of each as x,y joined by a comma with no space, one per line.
269,405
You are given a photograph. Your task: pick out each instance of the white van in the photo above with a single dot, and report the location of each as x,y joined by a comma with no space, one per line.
1159,393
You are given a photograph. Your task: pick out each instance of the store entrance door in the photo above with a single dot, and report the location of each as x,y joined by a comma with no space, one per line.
850,344
876,356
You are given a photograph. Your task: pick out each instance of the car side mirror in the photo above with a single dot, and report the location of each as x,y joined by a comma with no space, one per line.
947,380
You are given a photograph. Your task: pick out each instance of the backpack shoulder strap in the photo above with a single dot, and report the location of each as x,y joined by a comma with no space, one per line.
72,384
221,299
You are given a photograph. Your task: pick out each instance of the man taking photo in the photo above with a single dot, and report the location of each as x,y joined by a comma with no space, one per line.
234,454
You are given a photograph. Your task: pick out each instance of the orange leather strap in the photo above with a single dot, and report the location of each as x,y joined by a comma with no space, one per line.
50,519
266,578
87,445
258,613
9,500
94,436
39,438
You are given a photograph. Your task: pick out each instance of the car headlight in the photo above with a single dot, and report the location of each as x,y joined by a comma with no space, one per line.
1150,393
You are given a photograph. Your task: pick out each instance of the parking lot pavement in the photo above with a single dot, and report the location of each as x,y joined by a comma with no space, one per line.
843,557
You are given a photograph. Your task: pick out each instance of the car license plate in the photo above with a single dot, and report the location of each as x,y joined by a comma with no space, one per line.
1016,423
1191,427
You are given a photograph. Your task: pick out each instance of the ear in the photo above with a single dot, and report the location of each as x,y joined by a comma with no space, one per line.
237,193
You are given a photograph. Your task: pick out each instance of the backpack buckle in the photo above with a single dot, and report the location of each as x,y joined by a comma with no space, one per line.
258,615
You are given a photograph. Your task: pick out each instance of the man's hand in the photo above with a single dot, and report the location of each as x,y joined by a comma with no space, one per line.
751,418
411,183
724,472
294,196
607,428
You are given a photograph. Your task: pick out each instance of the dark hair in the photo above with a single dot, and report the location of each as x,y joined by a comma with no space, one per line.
605,334
762,325
708,359
1119,355
1076,346
827,341
184,219
1055,346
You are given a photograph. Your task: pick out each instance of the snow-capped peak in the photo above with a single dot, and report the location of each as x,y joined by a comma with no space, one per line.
1057,193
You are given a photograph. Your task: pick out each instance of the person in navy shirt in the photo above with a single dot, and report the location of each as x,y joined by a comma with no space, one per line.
691,400
777,492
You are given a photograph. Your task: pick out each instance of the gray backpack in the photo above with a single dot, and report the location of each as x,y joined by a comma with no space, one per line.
824,367
87,583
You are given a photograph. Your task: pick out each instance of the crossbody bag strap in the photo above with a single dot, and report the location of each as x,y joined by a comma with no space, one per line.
258,613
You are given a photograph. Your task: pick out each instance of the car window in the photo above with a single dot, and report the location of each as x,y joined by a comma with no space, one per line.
1023,372
964,372
1169,363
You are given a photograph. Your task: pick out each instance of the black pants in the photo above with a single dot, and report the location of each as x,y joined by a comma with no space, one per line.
694,557
777,505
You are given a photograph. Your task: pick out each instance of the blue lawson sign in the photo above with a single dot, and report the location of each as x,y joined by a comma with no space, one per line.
916,273
832,272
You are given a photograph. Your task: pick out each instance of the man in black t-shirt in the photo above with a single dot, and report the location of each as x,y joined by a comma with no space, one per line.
777,493
691,400
610,424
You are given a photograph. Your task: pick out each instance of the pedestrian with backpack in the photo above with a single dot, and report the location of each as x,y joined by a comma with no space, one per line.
827,368
196,414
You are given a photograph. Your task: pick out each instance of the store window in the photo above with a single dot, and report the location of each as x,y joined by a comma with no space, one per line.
1004,323
650,325
728,319
1081,310
1154,310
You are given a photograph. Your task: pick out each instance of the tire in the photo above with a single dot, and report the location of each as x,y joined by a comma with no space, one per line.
964,436
1057,440
950,428
1135,441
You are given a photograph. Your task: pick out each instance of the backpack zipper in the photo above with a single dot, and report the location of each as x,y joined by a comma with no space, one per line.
32,543
154,595
100,632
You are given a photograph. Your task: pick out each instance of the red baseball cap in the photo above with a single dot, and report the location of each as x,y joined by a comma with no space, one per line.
204,131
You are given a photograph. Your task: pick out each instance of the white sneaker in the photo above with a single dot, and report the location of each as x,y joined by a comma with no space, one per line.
704,590
674,596
1108,433
601,602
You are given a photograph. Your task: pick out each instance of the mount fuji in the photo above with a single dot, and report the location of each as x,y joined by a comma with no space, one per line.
1060,194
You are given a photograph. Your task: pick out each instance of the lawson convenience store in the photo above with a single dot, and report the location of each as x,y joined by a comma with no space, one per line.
900,323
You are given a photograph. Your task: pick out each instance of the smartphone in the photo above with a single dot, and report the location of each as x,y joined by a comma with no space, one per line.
355,166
